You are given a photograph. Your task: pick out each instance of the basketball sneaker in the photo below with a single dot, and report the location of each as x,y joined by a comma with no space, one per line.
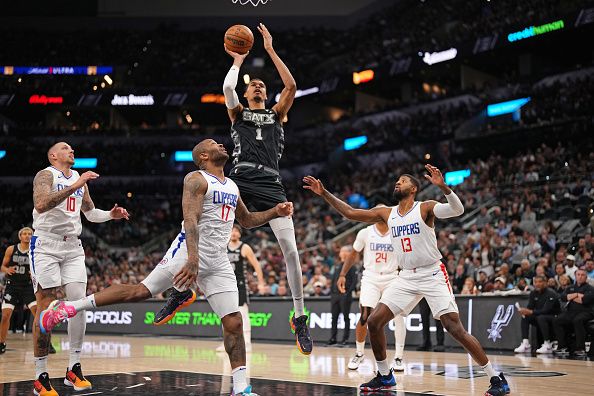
2,347
246,392
42,386
398,365
523,348
546,347
176,301
58,311
76,379
304,341
498,386
380,383
356,361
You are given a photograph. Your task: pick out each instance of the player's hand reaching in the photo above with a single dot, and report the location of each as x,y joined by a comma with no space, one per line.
313,184
186,277
434,176
284,209
84,178
118,212
341,284
266,36
10,270
237,58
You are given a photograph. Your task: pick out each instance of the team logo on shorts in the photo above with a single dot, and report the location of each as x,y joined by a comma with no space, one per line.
164,261
499,321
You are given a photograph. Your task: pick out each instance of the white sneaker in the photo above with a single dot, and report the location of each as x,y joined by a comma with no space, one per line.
523,348
356,361
545,348
398,365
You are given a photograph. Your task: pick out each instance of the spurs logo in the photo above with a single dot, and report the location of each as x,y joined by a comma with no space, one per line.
255,3
500,320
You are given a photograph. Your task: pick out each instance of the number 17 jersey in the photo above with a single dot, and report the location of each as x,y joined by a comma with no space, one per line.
378,252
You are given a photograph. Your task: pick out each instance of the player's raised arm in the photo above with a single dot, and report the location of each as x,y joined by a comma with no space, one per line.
192,201
43,197
95,215
234,107
430,209
363,215
249,219
288,93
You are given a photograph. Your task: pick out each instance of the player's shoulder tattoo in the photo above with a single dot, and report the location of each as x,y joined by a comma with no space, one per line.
42,177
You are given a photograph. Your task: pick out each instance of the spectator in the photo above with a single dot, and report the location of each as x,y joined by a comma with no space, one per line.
341,303
469,288
543,305
579,310
528,214
483,284
532,250
589,268
570,267
483,218
459,278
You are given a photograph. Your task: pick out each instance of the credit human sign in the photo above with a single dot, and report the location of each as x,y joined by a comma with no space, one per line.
532,31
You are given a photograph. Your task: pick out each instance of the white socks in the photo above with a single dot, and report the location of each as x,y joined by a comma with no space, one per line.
40,366
239,379
383,367
360,347
84,303
399,335
74,358
488,369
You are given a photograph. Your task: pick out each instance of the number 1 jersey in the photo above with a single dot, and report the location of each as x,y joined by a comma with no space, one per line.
378,252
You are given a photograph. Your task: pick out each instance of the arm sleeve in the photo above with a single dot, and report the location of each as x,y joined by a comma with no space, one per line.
97,215
359,243
231,98
453,208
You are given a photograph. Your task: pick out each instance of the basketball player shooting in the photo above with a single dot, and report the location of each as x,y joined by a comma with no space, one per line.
412,232
57,257
210,204
258,137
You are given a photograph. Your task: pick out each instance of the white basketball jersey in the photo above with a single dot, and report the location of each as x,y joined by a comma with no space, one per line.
378,252
216,221
64,219
415,244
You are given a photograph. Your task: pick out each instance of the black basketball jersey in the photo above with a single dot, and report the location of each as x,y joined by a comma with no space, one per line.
22,275
258,137
238,262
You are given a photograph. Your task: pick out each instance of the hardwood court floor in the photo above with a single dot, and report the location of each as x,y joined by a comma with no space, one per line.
190,366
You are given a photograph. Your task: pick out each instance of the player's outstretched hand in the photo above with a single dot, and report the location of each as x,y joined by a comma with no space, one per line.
341,283
266,36
186,277
84,178
434,176
118,212
313,184
239,58
284,209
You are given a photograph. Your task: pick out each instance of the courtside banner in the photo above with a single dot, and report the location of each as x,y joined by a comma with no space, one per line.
493,320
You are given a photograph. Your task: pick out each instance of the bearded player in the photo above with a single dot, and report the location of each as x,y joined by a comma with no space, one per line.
413,238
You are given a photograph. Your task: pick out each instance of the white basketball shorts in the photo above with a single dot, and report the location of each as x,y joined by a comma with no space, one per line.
373,287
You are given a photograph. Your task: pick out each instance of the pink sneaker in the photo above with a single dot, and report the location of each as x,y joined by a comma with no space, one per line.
58,311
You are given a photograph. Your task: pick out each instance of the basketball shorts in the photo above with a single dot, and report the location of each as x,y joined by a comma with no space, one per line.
431,282
260,190
56,260
373,287
217,282
16,295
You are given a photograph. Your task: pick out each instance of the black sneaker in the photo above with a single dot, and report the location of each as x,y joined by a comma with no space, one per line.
497,388
52,350
331,342
2,348
43,387
303,338
561,352
176,301
505,384
380,383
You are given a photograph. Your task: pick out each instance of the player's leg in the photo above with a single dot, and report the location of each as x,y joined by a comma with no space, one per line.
247,326
399,342
284,231
360,335
41,344
6,315
434,284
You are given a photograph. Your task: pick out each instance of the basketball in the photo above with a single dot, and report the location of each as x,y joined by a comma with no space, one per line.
239,38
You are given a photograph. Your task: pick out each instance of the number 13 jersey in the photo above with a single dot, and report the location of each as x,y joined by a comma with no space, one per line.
378,252
414,242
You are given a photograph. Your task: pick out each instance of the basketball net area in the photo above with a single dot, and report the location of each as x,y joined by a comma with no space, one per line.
255,3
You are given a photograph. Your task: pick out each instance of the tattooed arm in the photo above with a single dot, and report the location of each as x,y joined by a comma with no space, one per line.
192,201
249,219
43,197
